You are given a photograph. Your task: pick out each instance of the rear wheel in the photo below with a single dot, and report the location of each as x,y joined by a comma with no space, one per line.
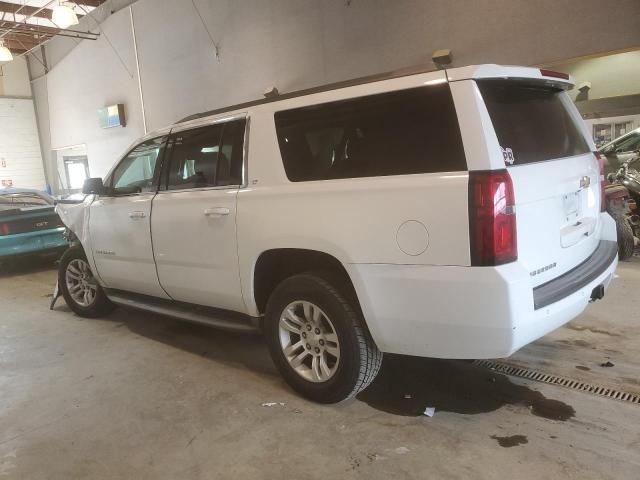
317,340
79,287
625,237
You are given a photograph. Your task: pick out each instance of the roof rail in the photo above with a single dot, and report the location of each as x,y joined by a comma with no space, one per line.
324,88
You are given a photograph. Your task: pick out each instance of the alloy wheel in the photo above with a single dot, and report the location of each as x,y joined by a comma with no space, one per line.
309,341
81,283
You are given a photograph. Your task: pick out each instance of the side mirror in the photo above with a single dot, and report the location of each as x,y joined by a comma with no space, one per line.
93,186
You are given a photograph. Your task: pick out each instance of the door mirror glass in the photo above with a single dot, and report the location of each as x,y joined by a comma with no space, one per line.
93,186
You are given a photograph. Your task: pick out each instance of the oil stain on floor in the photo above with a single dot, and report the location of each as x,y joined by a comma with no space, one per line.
408,385
512,441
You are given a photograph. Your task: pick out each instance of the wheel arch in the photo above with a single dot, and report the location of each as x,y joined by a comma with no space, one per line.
274,265
75,217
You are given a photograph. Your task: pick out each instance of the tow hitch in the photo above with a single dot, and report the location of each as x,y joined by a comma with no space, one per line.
597,293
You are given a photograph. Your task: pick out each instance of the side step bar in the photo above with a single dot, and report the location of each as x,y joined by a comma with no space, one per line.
213,317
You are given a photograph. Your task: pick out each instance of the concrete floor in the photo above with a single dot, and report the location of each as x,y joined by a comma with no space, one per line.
139,396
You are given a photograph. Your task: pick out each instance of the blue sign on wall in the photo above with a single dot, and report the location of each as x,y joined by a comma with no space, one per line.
112,116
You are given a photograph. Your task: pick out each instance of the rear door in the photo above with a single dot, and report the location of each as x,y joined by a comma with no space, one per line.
194,215
555,174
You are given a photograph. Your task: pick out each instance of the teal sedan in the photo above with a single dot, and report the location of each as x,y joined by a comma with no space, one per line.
29,224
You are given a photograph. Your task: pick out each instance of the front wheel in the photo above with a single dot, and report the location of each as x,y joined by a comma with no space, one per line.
317,340
79,287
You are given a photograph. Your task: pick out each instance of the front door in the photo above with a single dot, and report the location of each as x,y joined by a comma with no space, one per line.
193,224
120,223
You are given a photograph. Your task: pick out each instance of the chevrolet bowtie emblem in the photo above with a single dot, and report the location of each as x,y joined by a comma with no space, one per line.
585,182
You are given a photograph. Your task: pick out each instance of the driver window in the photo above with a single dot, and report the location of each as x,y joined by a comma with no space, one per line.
135,173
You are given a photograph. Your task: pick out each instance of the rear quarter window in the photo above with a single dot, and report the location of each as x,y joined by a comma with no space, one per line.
532,121
395,133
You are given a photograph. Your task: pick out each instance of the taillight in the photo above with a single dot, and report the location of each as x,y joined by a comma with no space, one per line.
603,196
492,218
4,229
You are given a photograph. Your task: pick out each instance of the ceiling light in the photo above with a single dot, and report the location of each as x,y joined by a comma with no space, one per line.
63,15
5,53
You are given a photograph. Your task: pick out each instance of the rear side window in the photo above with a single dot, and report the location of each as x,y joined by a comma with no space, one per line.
395,133
204,157
531,121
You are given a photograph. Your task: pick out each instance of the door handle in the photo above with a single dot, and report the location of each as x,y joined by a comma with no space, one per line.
137,214
217,211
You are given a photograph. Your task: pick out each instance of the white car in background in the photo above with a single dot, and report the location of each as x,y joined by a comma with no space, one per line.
455,214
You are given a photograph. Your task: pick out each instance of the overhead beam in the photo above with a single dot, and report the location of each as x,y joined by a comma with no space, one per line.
17,51
28,27
25,10
23,36
13,44
90,3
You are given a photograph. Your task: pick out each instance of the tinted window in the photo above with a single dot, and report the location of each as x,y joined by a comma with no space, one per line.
231,147
135,173
206,157
532,121
395,133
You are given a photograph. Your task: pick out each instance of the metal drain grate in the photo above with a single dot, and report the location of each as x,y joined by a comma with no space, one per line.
557,380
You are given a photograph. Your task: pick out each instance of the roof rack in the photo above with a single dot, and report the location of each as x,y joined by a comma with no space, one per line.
324,88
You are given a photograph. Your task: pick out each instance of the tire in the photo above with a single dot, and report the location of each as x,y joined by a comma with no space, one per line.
97,304
358,360
625,237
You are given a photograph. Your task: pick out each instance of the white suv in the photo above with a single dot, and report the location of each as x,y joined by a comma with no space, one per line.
452,214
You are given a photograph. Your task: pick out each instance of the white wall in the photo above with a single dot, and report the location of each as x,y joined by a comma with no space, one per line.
92,76
610,76
14,78
291,44
20,159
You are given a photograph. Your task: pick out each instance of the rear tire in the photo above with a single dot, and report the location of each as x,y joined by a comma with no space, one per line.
79,287
336,359
625,237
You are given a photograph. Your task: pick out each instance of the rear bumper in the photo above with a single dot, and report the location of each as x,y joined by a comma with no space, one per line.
579,277
41,241
466,312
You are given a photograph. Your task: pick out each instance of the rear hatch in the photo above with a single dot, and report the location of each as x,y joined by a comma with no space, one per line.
556,176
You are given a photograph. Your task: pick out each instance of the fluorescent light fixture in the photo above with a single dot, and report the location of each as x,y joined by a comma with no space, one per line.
5,53
63,15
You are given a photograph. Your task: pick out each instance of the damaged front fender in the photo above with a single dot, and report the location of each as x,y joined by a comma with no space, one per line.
75,214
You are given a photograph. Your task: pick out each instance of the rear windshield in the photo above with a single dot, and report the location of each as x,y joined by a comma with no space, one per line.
531,122
10,201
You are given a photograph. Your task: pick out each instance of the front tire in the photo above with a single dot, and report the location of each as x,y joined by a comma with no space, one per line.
79,287
317,339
